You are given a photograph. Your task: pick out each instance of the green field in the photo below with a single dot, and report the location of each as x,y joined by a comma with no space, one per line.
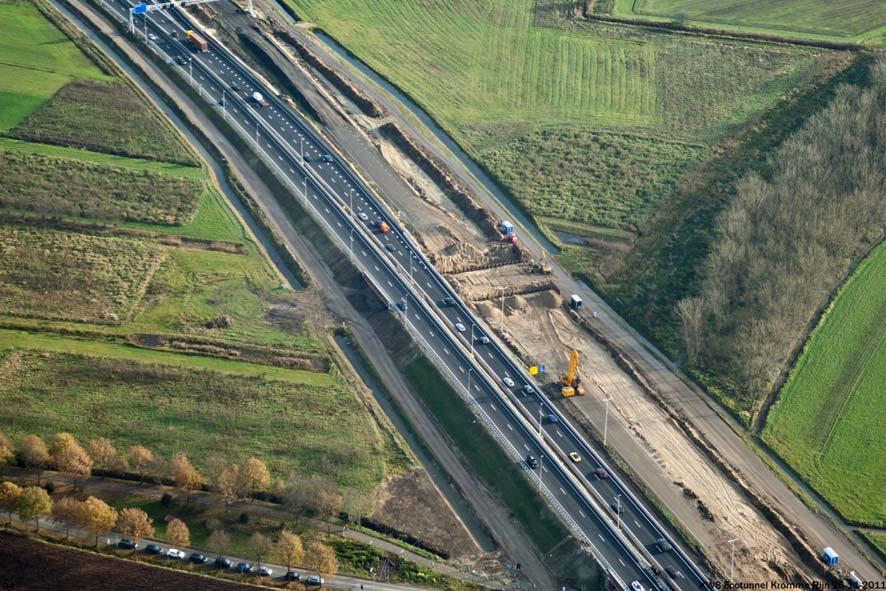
878,539
614,180
63,275
829,421
170,408
104,116
36,60
74,187
194,286
624,113
850,19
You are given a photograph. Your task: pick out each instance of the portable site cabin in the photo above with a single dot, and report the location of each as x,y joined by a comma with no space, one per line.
829,556
507,227
575,302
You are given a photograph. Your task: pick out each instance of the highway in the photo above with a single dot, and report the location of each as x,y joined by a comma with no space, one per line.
397,269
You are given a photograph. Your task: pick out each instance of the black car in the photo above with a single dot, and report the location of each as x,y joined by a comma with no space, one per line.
244,568
235,88
198,558
531,461
308,158
447,302
127,544
617,508
673,572
153,549
292,576
222,562
390,247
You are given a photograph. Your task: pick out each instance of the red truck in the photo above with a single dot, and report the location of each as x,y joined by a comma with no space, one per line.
197,41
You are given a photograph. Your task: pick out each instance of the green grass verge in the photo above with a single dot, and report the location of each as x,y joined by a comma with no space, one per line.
36,60
293,426
878,539
498,471
843,21
829,419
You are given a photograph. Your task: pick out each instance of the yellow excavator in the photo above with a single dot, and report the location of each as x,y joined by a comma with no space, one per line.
570,380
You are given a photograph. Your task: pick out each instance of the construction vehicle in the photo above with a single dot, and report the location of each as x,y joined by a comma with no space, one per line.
197,41
542,267
570,380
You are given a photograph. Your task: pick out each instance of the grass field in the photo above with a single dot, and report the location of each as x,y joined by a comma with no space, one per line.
194,286
170,408
104,116
74,187
614,180
52,274
522,91
37,60
829,420
878,539
850,19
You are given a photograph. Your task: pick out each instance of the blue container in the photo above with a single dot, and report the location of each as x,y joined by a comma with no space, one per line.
507,227
829,556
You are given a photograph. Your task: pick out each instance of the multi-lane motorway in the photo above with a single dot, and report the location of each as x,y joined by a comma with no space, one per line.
600,509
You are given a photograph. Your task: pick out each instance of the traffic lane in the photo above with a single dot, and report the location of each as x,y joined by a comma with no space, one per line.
561,489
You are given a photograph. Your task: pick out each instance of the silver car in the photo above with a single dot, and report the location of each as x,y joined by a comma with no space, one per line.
508,382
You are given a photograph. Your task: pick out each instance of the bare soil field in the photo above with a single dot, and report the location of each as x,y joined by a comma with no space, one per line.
31,565
412,504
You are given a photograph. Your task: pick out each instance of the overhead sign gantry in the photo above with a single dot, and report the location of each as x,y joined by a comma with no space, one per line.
144,9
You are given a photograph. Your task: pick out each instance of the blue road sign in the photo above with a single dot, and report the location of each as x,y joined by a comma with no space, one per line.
140,9
541,368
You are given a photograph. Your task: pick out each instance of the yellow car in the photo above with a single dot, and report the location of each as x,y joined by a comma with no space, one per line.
574,457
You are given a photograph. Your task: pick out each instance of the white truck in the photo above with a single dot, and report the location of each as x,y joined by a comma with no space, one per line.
259,99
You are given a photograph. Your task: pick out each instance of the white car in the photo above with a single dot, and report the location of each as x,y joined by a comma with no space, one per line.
315,580
508,382
363,216
175,553
636,586
152,36
459,327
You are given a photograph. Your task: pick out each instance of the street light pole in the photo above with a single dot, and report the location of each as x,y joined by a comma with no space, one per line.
606,420
618,511
470,369
501,319
732,561
472,324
